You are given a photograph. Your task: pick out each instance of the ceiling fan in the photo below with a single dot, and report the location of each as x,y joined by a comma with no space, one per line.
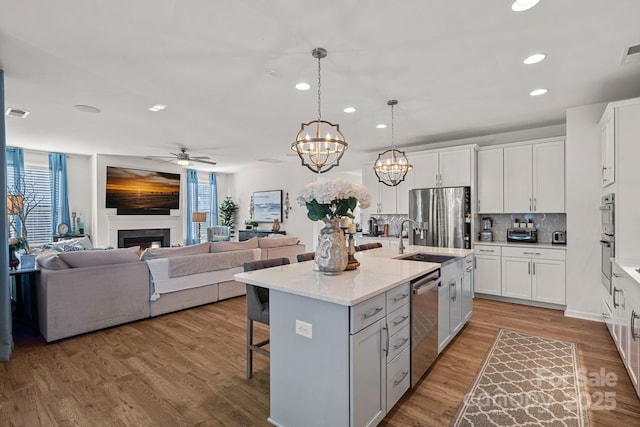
182,158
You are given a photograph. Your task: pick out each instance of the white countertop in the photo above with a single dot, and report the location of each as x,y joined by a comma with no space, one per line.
378,272
629,267
522,245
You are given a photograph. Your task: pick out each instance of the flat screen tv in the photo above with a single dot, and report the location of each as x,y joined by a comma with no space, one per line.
142,192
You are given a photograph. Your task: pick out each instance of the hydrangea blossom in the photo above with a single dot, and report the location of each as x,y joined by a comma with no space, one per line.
333,199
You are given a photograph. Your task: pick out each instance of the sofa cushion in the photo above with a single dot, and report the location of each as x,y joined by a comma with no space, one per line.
234,246
95,258
274,243
155,253
50,260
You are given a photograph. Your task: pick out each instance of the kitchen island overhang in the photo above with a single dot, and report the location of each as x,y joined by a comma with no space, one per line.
314,374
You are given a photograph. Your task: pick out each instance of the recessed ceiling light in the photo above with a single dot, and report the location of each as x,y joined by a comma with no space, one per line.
534,59
87,109
157,107
538,92
381,126
303,86
349,110
522,5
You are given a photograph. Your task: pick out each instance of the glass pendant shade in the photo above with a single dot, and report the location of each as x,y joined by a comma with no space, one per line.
320,145
391,167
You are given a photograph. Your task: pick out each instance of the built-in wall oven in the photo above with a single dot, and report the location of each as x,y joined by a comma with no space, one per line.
607,238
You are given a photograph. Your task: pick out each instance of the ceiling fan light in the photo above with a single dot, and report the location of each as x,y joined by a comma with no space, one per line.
183,162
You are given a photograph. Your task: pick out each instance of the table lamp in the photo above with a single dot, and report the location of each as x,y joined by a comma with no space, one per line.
199,217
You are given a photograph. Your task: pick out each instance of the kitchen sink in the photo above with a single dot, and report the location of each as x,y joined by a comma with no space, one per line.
440,259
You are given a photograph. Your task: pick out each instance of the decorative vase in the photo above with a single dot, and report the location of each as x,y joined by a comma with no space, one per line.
276,225
14,262
331,254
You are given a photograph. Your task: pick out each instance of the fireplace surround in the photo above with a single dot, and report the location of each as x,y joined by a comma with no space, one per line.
144,237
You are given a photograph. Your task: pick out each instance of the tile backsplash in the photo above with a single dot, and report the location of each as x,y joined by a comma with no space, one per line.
546,224
394,222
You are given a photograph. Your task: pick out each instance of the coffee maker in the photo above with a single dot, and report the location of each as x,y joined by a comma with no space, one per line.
373,226
486,235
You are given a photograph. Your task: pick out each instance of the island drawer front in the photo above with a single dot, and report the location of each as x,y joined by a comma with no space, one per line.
367,313
398,297
398,342
486,250
398,319
535,253
398,377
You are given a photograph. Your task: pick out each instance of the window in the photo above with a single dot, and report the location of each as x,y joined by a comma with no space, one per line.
204,205
39,219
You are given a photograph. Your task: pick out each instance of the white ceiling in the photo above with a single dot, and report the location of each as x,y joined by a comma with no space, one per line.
227,70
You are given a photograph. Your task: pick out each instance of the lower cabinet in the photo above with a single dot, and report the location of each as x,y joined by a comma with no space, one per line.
467,288
454,300
380,362
488,274
633,355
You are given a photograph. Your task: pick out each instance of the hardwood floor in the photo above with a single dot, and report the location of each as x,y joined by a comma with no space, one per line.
188,369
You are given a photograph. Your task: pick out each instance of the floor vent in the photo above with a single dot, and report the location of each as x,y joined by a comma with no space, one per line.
14,112
631,54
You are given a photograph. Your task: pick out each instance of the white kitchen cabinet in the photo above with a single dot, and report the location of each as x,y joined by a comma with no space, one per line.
443,168
633,354
467,288
450,302
385,199
490,180
488,270
620,315
534,274
534,177
607,147
370,181
368,366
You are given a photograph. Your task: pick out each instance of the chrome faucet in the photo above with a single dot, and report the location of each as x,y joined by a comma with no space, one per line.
401,246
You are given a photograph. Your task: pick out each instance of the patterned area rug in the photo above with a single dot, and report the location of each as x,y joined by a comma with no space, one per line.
526,380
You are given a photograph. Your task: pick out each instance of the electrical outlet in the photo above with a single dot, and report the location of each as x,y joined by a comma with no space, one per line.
305,329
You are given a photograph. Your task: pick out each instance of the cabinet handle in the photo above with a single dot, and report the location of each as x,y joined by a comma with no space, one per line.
469,269
533,264
634,316
400,298
397,322
615,304
386,333
486,250
604,177
455,291
617,275
530,204
479,205
605,316
404,341
529,267
532,253
404,375
376,311
469,261
535,201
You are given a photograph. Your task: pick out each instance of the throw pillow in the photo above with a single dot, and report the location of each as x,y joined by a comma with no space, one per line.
95,258
49,260
234,246
155,253
274,243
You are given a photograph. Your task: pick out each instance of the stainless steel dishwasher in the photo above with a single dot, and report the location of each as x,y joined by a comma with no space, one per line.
424,324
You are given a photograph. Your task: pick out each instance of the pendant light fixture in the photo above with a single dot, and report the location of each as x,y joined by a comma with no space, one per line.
319,144
392,165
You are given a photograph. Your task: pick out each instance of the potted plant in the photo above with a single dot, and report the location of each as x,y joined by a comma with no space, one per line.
228,210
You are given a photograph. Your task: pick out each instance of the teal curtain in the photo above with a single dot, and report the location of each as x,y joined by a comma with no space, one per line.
6,339
15,164
213,209
59,192
192,206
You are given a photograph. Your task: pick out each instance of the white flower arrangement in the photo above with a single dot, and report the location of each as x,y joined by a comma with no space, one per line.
333,199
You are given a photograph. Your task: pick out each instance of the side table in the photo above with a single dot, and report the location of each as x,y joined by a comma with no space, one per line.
31,275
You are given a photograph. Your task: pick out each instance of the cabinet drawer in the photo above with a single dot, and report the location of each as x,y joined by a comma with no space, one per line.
398,297
367,312
398,319
487,250
534,253
398,342
398,377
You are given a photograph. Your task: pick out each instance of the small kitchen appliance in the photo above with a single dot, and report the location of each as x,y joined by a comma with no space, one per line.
373,227
559,238
522,235
486,235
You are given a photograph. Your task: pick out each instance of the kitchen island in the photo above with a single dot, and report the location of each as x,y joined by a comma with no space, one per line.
333,357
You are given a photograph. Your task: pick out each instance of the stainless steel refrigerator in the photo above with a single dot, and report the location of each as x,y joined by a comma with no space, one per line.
443,217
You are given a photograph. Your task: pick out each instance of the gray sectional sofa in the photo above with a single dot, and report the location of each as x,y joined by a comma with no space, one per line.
84,291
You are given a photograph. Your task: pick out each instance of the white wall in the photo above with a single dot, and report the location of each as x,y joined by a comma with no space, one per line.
583,191
289,178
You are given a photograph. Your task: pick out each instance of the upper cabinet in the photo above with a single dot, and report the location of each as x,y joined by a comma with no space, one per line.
534,177
607,147
490,180
385,199
443,168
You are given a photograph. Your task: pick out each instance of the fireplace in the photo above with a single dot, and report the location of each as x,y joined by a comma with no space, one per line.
145,238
